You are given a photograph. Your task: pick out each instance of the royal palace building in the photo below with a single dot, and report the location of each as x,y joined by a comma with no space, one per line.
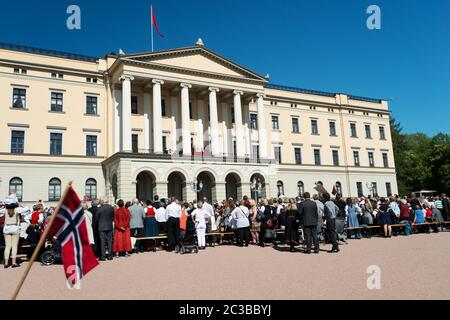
184,122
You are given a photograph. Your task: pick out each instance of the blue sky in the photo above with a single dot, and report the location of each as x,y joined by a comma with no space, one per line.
315,44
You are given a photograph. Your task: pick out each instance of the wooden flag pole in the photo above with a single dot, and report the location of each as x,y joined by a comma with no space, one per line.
41,242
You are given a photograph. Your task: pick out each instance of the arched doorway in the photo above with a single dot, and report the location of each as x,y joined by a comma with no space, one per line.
145,186
209,186
176,186
258,186
233,187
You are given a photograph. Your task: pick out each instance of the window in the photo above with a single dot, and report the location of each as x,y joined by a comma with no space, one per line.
332,128
135,143
338,188
55,143
275,124
232,115
298,155
164,145
356,158
280,188
56,103
317,157
253,121
16,187
255,154
54,189
368,131
90,189
335,157
385,160
17,141
295,125
277,153
134,105
301,188
16,70
163,108
353,130
382,133
314,128
91,146
388,189
191,114
359,188
19,98
91,105
371,160
374,189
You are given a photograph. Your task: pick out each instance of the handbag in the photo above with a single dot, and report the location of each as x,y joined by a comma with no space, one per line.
270,234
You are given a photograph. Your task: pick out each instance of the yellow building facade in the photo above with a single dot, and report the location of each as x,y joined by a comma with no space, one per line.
185,122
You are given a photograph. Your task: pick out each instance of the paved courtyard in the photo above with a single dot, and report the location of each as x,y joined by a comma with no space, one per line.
414,267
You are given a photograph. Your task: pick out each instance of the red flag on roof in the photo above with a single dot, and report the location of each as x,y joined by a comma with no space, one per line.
154,23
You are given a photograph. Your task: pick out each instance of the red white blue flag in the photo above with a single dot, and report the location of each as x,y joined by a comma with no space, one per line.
69,227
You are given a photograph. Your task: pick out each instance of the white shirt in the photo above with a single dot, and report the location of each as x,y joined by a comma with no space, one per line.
210,210
160,214
173,210
240,214
200,216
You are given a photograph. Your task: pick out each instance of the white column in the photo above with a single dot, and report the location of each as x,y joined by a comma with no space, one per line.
262,127
214,122
240,144
185,130
157,118
224,107
174,108
126,112
117,114
200,143
247,130
147,120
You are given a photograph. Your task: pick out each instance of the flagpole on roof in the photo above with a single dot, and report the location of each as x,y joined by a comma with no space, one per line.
151,18
41,242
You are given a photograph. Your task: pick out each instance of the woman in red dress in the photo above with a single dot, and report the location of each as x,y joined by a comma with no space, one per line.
122,237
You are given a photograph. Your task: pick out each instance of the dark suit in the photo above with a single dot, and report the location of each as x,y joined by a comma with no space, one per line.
104,221
93,210
310,216
446,209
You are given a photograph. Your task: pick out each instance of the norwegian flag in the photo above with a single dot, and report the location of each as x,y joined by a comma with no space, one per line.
69,227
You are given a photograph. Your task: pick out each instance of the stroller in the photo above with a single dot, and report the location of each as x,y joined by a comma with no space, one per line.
51,253
187,243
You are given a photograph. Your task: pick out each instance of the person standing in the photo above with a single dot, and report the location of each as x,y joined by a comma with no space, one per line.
199,216
240,215
291,230
161,217
103,219
211,226
137,213
11,230
331,211
90,232
173,212
95,204
352,211
309,214
122,238
445,207
385,217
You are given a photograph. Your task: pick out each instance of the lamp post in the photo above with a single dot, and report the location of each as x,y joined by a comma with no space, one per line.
197,186
256,187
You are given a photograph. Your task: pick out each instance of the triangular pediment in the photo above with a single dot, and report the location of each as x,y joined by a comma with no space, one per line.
197,59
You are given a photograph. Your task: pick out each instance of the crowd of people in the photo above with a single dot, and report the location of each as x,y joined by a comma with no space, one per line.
125,227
